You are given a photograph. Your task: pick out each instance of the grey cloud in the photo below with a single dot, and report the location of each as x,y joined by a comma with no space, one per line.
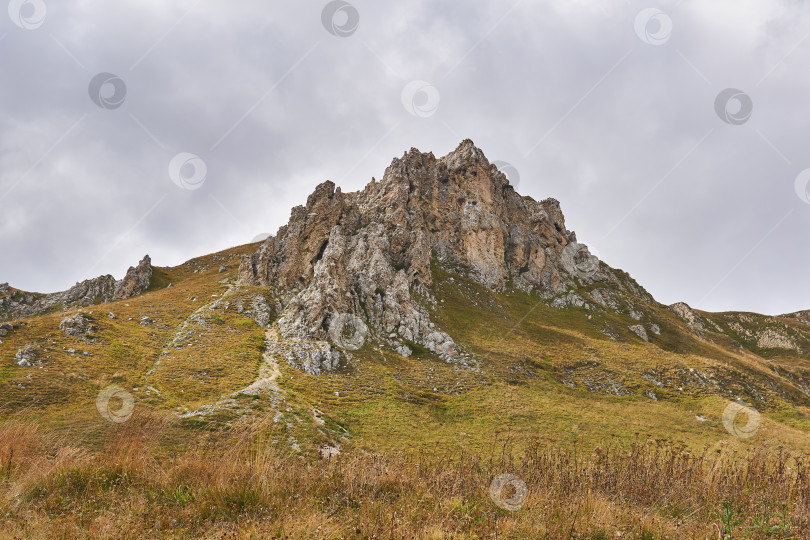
564,91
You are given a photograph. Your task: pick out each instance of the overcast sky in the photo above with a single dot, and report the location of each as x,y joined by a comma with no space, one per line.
618,109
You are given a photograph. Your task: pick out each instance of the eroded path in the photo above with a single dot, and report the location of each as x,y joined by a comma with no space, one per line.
269,371
266,383
284,412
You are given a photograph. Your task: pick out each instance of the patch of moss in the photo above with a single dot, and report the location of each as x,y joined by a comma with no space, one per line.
416,349
5,372
160,280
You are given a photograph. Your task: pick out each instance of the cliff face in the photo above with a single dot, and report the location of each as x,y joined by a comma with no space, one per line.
369,253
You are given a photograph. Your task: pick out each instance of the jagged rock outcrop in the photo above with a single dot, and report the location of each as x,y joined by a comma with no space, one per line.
311,357
103,289
689,316
370,252
771,338
136,281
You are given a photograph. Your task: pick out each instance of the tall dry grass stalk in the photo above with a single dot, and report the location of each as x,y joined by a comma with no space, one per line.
238,483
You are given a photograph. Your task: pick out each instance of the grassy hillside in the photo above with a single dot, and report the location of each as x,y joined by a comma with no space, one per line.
225,436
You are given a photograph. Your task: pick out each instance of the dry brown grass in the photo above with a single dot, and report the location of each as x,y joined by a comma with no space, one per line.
236,484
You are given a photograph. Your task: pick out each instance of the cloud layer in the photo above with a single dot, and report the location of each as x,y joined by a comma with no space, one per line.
609,108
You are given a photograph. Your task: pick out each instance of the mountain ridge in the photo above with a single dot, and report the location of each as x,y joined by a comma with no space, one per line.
366,258
103,288
402,270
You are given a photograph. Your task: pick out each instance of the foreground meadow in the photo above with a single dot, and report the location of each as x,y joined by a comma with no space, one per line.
234,483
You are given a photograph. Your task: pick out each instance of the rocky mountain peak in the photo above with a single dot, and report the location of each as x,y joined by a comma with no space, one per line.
421,171
370,253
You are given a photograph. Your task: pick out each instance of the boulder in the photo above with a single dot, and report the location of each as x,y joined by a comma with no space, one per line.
639,330
26,357
78,325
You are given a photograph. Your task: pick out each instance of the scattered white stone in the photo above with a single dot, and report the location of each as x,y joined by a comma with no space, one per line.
328,451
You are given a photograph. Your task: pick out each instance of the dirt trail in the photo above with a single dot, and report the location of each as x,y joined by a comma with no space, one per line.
265,383
269,371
